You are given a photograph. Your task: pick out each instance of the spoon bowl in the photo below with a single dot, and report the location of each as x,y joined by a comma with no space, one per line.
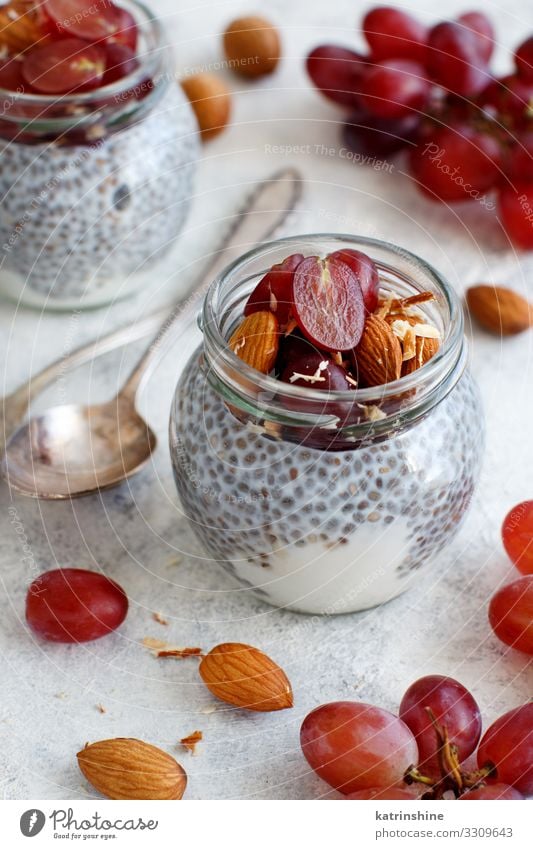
72,450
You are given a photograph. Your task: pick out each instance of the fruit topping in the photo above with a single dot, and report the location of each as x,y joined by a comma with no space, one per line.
64,66
314,370
366,272
274,290
328,303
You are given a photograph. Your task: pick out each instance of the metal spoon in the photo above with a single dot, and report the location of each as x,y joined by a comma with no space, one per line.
74,450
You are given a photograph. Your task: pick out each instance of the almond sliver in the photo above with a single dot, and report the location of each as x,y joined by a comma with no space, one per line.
409,344
427,331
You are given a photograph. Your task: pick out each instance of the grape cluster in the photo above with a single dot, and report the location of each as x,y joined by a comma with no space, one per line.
469,134
425,751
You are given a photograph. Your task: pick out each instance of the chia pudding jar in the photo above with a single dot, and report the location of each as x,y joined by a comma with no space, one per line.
310,515
95,186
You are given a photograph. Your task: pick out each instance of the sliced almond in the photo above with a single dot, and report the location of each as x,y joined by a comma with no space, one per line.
426,348
246,677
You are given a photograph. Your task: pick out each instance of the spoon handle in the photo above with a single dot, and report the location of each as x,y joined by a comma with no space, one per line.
262,214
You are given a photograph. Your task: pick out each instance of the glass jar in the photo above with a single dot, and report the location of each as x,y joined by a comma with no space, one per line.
311,515
95,186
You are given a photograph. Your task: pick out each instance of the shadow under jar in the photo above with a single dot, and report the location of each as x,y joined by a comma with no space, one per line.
95,186
311,516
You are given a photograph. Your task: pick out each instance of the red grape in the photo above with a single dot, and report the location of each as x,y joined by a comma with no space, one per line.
355,746
524,59
328,303
517,535
393,88
454,60
11,75
457,163
381,793
366,272
62,66
393,34
508,744
274,290
453,707
120,61
127,31
336,72
481,26
516,213
316,371
91,20
492,791
74,605
370,136
511,97
519,165
511,614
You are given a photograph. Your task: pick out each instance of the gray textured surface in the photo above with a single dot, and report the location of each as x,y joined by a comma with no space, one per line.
48,708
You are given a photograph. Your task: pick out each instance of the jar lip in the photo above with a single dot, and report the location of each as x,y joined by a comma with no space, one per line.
148,64
449,350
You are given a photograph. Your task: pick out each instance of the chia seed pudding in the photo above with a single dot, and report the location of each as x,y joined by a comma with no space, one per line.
346,523
96,188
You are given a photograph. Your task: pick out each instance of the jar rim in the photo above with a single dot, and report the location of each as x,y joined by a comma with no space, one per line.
148,65
225,362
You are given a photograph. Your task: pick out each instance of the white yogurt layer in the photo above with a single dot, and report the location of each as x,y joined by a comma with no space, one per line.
355,575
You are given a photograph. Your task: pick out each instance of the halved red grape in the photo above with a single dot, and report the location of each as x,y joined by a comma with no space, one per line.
524,59
74,605
120,61
11,75
355,746
456,163
92,20
316,371
516,213
481,26
328,303
492,791
371,136
517,535
366,272
394,88
274,290
382,793
452,705
393,34
454,60
508,744
127,30
511,614
336,72
62,66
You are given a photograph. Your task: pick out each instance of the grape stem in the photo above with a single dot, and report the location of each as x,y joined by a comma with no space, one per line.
452,776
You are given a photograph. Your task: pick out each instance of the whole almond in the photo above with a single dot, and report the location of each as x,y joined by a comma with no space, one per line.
246,677
211,101
252,46
499,310
379,353
125,768
256,340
